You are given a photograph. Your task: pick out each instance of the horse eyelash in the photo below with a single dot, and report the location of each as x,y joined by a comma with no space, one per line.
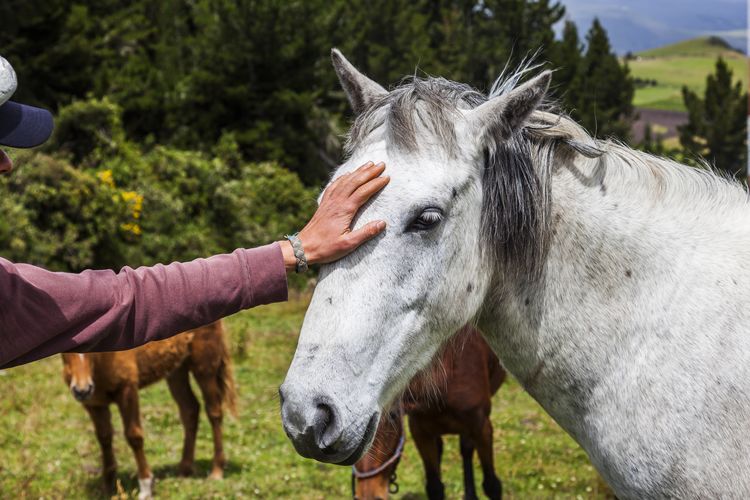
433,215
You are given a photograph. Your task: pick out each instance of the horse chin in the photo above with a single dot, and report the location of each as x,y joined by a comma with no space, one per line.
365,443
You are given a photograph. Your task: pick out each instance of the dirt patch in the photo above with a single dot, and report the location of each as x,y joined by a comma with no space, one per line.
663,123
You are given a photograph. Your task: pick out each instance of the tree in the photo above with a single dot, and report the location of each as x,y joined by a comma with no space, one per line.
495,32
525,26
716,127
463,40
604,101
385,39
567,59
252,68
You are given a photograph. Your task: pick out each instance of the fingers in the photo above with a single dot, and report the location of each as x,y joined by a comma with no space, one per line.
335,187
332,188
327,237
367,190
363,234
363,174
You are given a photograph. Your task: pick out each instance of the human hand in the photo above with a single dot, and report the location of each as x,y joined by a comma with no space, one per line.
328,235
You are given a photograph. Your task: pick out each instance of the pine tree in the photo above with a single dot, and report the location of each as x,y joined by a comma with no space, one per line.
57,47
385,39
567,59
526,25
512,31
472,41
605,100
716,128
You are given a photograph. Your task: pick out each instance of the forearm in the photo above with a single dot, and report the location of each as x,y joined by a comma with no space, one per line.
43,313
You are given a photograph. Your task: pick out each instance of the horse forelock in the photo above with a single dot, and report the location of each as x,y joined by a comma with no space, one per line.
414,112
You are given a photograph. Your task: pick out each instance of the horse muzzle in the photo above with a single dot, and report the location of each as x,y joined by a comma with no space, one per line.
82,392
318,430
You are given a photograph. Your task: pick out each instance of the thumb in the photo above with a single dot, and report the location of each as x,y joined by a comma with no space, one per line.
363,234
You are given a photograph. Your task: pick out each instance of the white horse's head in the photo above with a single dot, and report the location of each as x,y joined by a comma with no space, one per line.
379,316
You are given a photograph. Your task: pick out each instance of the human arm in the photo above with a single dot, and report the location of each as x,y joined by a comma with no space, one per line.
43,312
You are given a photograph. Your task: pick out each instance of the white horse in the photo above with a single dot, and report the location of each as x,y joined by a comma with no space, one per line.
613,284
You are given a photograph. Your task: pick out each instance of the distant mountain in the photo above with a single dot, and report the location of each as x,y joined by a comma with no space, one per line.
710,46
637,25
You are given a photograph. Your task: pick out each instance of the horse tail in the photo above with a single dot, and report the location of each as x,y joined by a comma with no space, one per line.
225,379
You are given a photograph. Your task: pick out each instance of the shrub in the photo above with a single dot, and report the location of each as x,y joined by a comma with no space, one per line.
106,202
62,218
87,131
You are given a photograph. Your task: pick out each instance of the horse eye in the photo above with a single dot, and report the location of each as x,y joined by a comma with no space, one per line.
428,219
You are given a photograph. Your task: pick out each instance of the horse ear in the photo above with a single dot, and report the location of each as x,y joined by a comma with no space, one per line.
506,113
360,90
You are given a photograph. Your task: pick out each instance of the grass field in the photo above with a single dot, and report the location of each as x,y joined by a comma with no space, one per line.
684,63
48,449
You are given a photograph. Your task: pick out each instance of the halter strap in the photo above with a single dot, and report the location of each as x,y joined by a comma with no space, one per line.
370,473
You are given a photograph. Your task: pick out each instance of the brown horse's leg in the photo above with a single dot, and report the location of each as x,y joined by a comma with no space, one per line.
179,386
127,402
102,419
430,449
467,455
491,484
209,385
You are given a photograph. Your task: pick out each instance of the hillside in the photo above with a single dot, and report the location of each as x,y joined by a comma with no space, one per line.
701,47
670,67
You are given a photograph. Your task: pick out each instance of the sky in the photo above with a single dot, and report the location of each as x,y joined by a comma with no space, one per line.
635,25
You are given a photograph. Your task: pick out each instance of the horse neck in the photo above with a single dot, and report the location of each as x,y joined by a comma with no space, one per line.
623,241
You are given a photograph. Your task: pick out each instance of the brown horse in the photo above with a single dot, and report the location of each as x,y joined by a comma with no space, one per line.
98,379
452,397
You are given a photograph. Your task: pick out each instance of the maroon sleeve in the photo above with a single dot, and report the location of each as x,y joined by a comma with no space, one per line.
43,313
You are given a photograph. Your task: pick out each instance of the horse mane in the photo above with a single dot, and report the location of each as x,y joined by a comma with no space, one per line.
517,169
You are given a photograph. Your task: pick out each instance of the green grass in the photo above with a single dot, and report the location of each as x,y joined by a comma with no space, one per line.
48,449
685,63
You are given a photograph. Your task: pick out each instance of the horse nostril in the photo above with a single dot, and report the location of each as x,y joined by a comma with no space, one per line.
314,424
323,418
324,425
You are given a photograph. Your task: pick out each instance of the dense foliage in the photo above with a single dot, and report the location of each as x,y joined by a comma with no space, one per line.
61,217
185,73
121,205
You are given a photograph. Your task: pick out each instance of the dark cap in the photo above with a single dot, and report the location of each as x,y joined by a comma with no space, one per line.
21,126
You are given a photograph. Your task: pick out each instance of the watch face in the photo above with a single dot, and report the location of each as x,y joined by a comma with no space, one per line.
8,81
